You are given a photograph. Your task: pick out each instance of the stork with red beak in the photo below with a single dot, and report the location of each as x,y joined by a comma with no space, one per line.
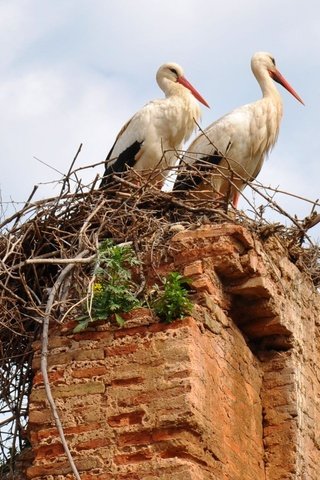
232,149
151,139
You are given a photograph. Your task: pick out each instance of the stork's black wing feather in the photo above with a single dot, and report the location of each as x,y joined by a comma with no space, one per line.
193,174
124,160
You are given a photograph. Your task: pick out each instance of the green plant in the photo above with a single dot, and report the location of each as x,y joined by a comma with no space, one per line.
112,289
173,302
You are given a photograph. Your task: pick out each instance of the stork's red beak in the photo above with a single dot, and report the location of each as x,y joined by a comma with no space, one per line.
194,92
277,77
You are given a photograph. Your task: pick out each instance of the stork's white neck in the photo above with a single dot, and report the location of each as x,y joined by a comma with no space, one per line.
267,85
171,88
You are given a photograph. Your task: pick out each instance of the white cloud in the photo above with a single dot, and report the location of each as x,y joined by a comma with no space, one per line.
47,114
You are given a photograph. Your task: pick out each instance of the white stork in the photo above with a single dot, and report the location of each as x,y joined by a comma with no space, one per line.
150,139
233,148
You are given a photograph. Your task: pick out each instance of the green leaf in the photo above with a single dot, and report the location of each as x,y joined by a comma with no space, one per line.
82,325
113,273
173,302
120,321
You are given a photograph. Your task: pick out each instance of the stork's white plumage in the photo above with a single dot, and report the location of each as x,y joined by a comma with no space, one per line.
234,147
155,133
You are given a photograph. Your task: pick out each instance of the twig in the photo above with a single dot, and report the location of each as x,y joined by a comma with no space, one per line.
35,188
58,261
44,354
67,176
311,221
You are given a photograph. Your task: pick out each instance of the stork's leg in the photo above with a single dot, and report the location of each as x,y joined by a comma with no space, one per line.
235,199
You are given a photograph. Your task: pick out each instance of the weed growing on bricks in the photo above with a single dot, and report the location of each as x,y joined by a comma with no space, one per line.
112,290
173,302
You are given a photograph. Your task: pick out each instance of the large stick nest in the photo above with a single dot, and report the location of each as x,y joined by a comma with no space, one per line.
38,241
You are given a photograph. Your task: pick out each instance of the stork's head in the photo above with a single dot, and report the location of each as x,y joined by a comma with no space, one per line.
264,63
171,73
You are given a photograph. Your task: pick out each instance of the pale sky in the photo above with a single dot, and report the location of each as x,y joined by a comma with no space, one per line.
74,71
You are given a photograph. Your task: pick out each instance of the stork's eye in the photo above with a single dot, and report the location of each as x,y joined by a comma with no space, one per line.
173,70
273,61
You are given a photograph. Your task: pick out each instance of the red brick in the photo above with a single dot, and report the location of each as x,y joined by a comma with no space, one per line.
257,287
130,476
204,284
130,418
54,377
135,438
67,391
93,444
123,382
168,433
85,355
62,358
49,451
214,231
41,417
139,315
154,328
103,476
194,268
58,342
93,336
89,372
148,397
51,433
141,456
121,349
264,327
63,467
148,437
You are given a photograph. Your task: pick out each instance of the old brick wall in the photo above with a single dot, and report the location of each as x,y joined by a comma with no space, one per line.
230,393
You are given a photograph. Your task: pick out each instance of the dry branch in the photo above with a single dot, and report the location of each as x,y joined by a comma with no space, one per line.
44,355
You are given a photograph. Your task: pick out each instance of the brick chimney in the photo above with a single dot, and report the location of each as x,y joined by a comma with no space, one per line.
231,393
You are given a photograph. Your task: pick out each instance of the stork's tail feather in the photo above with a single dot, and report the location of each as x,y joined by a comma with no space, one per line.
193,176
120,165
